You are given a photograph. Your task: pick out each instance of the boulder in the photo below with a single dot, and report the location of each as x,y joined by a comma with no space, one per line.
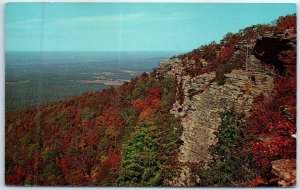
285,170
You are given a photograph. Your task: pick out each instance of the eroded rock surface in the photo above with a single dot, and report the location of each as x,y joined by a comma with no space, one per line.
204,100
285,169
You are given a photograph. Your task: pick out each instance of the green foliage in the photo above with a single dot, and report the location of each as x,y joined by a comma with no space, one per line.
80,139
87,114
51,173
168,89
141,88
233,165
167,131
130,117
48,155
150,156
168,84
12,127
33,148
37,116
227,67
73,149
57,117
140,162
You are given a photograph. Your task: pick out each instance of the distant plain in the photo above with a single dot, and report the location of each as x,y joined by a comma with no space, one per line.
34,78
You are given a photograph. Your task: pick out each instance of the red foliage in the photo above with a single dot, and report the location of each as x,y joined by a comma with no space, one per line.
279,147
226,52
66,165
258,181
112,121
63,139
287,22
85,148
74,171
269,120
275,118
114,157
150,102
12,179
66,140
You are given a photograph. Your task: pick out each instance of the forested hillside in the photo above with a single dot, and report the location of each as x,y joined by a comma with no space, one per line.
221,115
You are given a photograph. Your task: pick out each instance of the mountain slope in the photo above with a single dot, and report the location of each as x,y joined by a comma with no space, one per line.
221,115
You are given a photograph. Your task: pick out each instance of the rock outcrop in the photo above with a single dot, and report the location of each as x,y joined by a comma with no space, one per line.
204,100
267,48
201,99
285,170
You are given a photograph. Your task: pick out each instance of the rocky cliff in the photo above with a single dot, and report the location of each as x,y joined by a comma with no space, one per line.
201,99
221,115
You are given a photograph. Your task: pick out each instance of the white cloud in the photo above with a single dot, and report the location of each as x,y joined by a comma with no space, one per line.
30,23
102,19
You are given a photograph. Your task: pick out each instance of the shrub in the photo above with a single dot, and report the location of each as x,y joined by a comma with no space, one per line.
232,164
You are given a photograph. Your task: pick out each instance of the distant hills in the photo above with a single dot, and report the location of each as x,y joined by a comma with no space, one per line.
221,115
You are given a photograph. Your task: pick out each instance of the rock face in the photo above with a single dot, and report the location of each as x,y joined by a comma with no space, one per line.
268,48
170,67
204,100
285,170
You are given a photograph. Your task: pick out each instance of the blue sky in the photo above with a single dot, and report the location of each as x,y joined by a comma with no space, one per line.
128,27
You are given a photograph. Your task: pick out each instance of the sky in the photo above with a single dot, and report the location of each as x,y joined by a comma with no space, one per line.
128,26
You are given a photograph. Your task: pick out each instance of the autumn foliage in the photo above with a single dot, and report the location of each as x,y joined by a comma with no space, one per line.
79,141
127,136
59,144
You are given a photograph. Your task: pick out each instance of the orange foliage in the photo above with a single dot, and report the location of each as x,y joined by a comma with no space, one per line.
150,102
258,181
112,121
